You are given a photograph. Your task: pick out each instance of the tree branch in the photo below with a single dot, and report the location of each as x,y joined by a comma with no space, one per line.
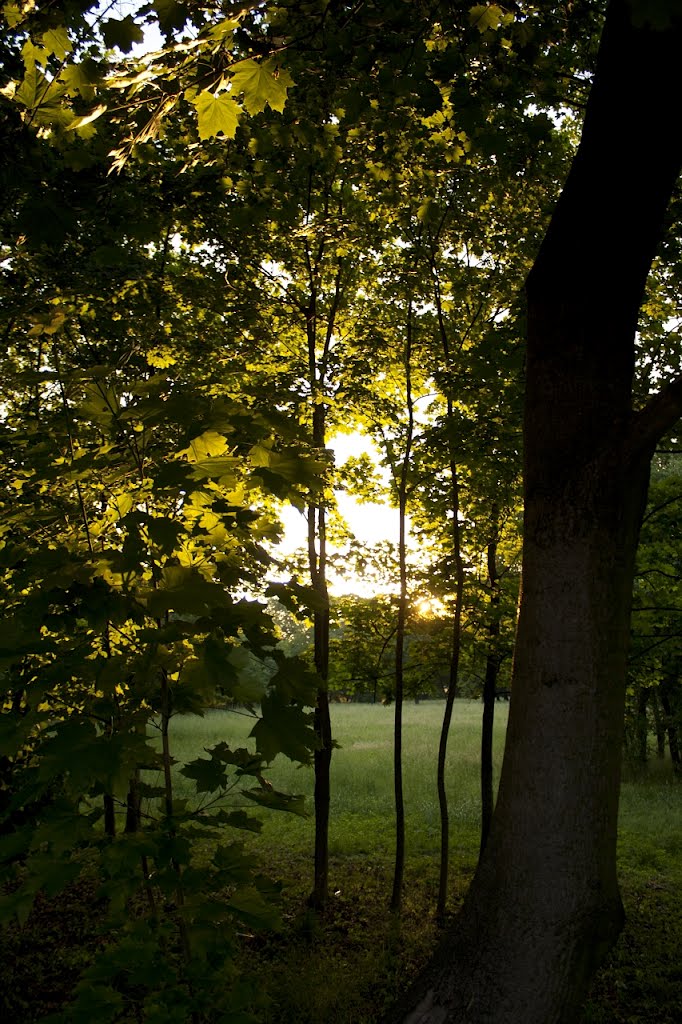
658,416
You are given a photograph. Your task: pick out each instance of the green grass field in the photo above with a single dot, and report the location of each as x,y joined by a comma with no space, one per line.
349,967
362,783
346,970
362,775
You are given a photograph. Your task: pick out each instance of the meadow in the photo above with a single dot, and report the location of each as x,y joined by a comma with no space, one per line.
361,822
346,970
348,967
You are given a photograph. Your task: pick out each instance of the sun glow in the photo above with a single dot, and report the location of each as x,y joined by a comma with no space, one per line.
430,607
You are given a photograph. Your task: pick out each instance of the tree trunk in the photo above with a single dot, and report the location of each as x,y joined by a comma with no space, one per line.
642,726
659,726
544,906
399,867
453,680
492,669
109,815
133,803
667,688
322,721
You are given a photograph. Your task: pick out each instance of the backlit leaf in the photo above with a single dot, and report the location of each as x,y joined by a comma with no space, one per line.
217,115
56,41
123,33
262,84
486,16
203,447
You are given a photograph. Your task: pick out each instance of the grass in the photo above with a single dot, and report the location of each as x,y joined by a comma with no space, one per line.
348,968
362,776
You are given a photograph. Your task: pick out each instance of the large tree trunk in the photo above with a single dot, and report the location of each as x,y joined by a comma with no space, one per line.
544,906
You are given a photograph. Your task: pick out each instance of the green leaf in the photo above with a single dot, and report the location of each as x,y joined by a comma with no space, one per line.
205,445
293,803
33,86
122,34
184,591
252,908
236,819
82,78
13,14
284,729
220,468
164,532
262,84
172,15
56,41
486,16
232,860
222,32
217,115
208,774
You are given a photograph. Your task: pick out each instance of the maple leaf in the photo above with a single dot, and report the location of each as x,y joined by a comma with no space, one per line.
217,115
261,84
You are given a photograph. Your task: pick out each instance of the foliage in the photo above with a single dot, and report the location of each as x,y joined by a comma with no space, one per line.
309,201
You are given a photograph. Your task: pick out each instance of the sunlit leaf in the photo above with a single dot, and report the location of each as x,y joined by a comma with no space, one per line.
262,84
486,16
217,115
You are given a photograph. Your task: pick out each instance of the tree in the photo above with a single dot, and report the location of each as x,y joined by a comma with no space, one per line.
654,668
545,891
544,905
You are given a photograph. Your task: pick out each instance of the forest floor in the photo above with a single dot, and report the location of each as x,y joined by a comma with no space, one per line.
348,967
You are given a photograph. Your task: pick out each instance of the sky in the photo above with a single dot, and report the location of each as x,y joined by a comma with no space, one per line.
370,522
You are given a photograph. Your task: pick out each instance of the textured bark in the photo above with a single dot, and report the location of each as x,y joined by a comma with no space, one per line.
544,905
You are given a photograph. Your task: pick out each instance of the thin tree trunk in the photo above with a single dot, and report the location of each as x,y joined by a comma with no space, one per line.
322,719
399,868
492,668
673,739
109,815
166,760
659,725
642,726
453,680
317,564
133,804
456,646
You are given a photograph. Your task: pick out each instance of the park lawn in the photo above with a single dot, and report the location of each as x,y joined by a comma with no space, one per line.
310,971
348,968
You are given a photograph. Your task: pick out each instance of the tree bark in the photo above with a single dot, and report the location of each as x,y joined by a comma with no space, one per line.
492,669
544,906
